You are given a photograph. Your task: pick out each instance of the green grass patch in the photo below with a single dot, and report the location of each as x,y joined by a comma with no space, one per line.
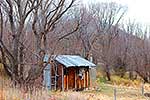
108,90
101,80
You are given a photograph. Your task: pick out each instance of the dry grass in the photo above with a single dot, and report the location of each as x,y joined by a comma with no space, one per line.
104,94
17,94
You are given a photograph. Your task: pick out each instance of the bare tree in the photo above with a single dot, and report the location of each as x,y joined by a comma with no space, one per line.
45,19
108,16
138,49
140,53
17,15
17,12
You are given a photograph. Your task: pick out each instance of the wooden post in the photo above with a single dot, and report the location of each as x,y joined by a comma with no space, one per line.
87,79
79,83
67,81
142,89
62,78
115,94
84,80
75,80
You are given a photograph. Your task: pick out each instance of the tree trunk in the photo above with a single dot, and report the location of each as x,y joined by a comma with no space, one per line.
130,75
44,42
145,79
15,60
108,73
38,39
15,52
21,67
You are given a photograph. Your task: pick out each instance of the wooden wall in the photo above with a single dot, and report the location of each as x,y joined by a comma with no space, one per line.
71,79
59,85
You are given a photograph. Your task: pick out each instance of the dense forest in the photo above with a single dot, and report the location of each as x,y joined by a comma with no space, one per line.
29,29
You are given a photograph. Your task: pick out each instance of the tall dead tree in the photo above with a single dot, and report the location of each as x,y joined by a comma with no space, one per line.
44,15
45,19
17,12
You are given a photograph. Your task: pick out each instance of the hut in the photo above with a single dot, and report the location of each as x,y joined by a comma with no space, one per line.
67,72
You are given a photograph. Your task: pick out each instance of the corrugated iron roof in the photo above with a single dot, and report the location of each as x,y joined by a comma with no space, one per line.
72,60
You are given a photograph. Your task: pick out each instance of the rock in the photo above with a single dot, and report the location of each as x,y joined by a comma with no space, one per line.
147,95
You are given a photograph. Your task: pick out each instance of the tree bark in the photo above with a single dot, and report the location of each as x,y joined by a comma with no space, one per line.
21,67
38,38
108,73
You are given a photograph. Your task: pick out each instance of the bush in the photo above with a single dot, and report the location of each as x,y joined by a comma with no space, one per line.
124,81
101,80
